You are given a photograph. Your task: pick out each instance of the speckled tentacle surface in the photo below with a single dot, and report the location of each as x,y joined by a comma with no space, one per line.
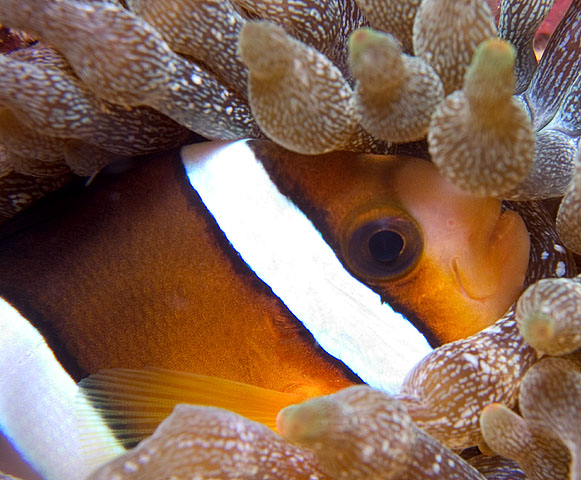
447,390
19,190
86,160
396,18
361,433
352,18
115,61
203,443
556,71
108,74
550,396
287,73
157,77
540,454
545,440
396,94
206,31
497,467
315,22
552,167
552,97
548,257
358,433
569,214
447,42
552,100
567,118
549,315
519,21
26,142
209,96
33,167
480,138
75,112
324,25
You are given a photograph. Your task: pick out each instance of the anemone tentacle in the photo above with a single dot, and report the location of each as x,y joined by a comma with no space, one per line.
120,67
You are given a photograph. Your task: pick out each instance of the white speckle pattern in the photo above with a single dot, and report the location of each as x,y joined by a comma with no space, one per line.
493,144
549,315
156,76
191,443
442,40
396,94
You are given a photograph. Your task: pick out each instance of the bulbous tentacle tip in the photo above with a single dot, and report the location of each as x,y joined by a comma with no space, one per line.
207,442
356,433
298,97
396,18
305,424
548,315
252,41
360,433
505,430
337,413
539,453
493,60
480,138
316,22
448,42
550,395
367,47
396,94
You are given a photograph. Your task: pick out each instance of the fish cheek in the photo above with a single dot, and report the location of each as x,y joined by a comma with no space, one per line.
430,299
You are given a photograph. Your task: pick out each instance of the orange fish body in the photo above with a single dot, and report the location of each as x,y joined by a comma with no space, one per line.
133,272
136,274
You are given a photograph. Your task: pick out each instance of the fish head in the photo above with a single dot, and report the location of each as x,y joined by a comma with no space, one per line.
450,261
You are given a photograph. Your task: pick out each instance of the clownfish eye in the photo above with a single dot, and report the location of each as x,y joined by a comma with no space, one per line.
385,245
382,245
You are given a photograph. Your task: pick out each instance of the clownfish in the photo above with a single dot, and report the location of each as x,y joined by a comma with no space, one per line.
244,262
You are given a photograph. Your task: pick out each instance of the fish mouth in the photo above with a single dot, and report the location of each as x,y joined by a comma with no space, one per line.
480,271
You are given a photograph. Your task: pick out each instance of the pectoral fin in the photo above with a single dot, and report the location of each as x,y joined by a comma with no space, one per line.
134,402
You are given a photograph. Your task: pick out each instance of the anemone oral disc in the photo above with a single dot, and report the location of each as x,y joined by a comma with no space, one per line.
281,245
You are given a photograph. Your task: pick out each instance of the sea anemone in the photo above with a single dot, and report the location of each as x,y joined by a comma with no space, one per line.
127,78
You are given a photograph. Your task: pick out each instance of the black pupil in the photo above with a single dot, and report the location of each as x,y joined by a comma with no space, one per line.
385,246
